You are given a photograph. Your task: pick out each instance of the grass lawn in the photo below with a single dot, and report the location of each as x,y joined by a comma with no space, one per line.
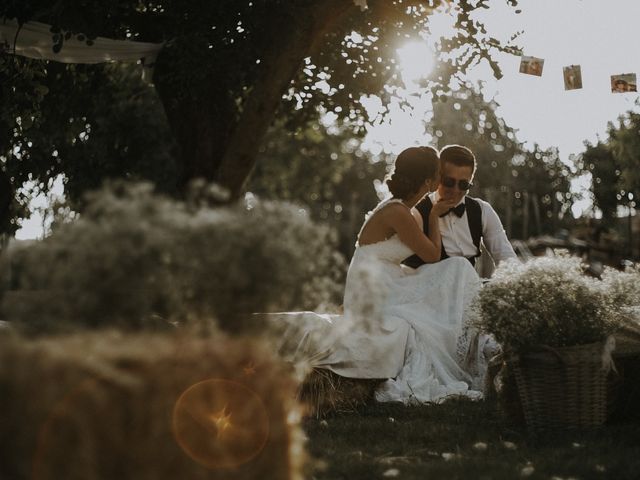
461,440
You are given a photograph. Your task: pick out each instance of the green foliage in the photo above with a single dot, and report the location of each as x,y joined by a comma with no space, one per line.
362,62
90,123
218,56
625,144
547,301
600,161
613,166
542,194
135,259
325,172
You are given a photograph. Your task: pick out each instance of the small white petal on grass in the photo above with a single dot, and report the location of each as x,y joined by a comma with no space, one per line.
357,455
600,468
509,445
576,445
392,472
323,423
398,460
449,456
527,470
391,419
480,446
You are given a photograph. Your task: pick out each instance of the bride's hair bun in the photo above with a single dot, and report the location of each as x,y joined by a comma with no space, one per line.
412,168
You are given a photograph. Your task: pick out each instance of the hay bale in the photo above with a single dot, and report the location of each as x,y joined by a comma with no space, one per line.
324,391
108,405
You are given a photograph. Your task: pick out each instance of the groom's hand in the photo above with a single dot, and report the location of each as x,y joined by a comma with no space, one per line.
442,206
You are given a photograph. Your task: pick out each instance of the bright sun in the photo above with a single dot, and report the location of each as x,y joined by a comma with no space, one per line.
415,61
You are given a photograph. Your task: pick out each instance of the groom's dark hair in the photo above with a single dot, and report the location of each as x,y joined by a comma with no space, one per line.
459,156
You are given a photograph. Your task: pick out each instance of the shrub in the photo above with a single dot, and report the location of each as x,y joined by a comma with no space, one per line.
135,259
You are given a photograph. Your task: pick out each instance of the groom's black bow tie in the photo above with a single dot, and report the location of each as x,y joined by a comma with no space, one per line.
459,210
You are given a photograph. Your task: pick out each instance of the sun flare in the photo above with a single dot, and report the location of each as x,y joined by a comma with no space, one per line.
416,61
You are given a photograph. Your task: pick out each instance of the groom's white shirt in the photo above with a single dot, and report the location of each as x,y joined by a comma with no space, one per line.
456,236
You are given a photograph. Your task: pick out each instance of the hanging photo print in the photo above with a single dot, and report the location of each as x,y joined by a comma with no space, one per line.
572,77
531,66
625,82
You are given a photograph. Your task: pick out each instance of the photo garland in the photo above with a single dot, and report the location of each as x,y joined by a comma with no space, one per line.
572,74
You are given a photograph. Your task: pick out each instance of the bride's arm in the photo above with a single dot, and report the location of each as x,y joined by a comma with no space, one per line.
434,229
434,226
403,223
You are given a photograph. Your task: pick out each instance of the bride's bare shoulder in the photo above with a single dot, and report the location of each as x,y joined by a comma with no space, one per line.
394,208
382,223
391,212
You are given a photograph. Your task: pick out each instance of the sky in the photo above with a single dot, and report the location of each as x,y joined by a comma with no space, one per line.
600,36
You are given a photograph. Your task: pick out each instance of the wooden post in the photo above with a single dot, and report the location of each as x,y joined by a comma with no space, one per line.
630,231
509,206
536,213
525,215
555,217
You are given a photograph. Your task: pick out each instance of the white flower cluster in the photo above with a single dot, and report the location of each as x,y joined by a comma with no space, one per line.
551,301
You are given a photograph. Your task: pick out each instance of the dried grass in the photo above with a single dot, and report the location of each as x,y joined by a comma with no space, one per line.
324,391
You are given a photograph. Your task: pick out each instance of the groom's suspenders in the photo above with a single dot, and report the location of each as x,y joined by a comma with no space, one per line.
474,217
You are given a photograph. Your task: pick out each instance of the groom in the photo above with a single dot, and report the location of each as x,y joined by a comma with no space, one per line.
471,221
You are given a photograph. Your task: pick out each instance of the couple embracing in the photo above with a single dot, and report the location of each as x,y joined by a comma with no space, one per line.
410,285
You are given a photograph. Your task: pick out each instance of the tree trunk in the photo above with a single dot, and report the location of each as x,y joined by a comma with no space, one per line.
201,136
556,214
258,112
630,231
219,145
536,213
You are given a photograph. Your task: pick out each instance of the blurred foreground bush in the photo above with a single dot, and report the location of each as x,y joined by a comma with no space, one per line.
113,405
135,259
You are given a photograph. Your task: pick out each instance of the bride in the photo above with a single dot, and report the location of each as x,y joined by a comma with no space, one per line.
404,325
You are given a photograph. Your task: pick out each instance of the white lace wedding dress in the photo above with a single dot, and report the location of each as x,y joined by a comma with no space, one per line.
404,325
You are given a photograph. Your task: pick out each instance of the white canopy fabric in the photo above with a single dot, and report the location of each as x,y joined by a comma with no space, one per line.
34,40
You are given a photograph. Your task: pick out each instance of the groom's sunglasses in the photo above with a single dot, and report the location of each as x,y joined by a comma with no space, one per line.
463,185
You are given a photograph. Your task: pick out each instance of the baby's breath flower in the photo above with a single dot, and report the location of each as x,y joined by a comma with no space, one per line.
550,301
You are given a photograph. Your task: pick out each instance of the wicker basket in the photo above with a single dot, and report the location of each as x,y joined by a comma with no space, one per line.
562,387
